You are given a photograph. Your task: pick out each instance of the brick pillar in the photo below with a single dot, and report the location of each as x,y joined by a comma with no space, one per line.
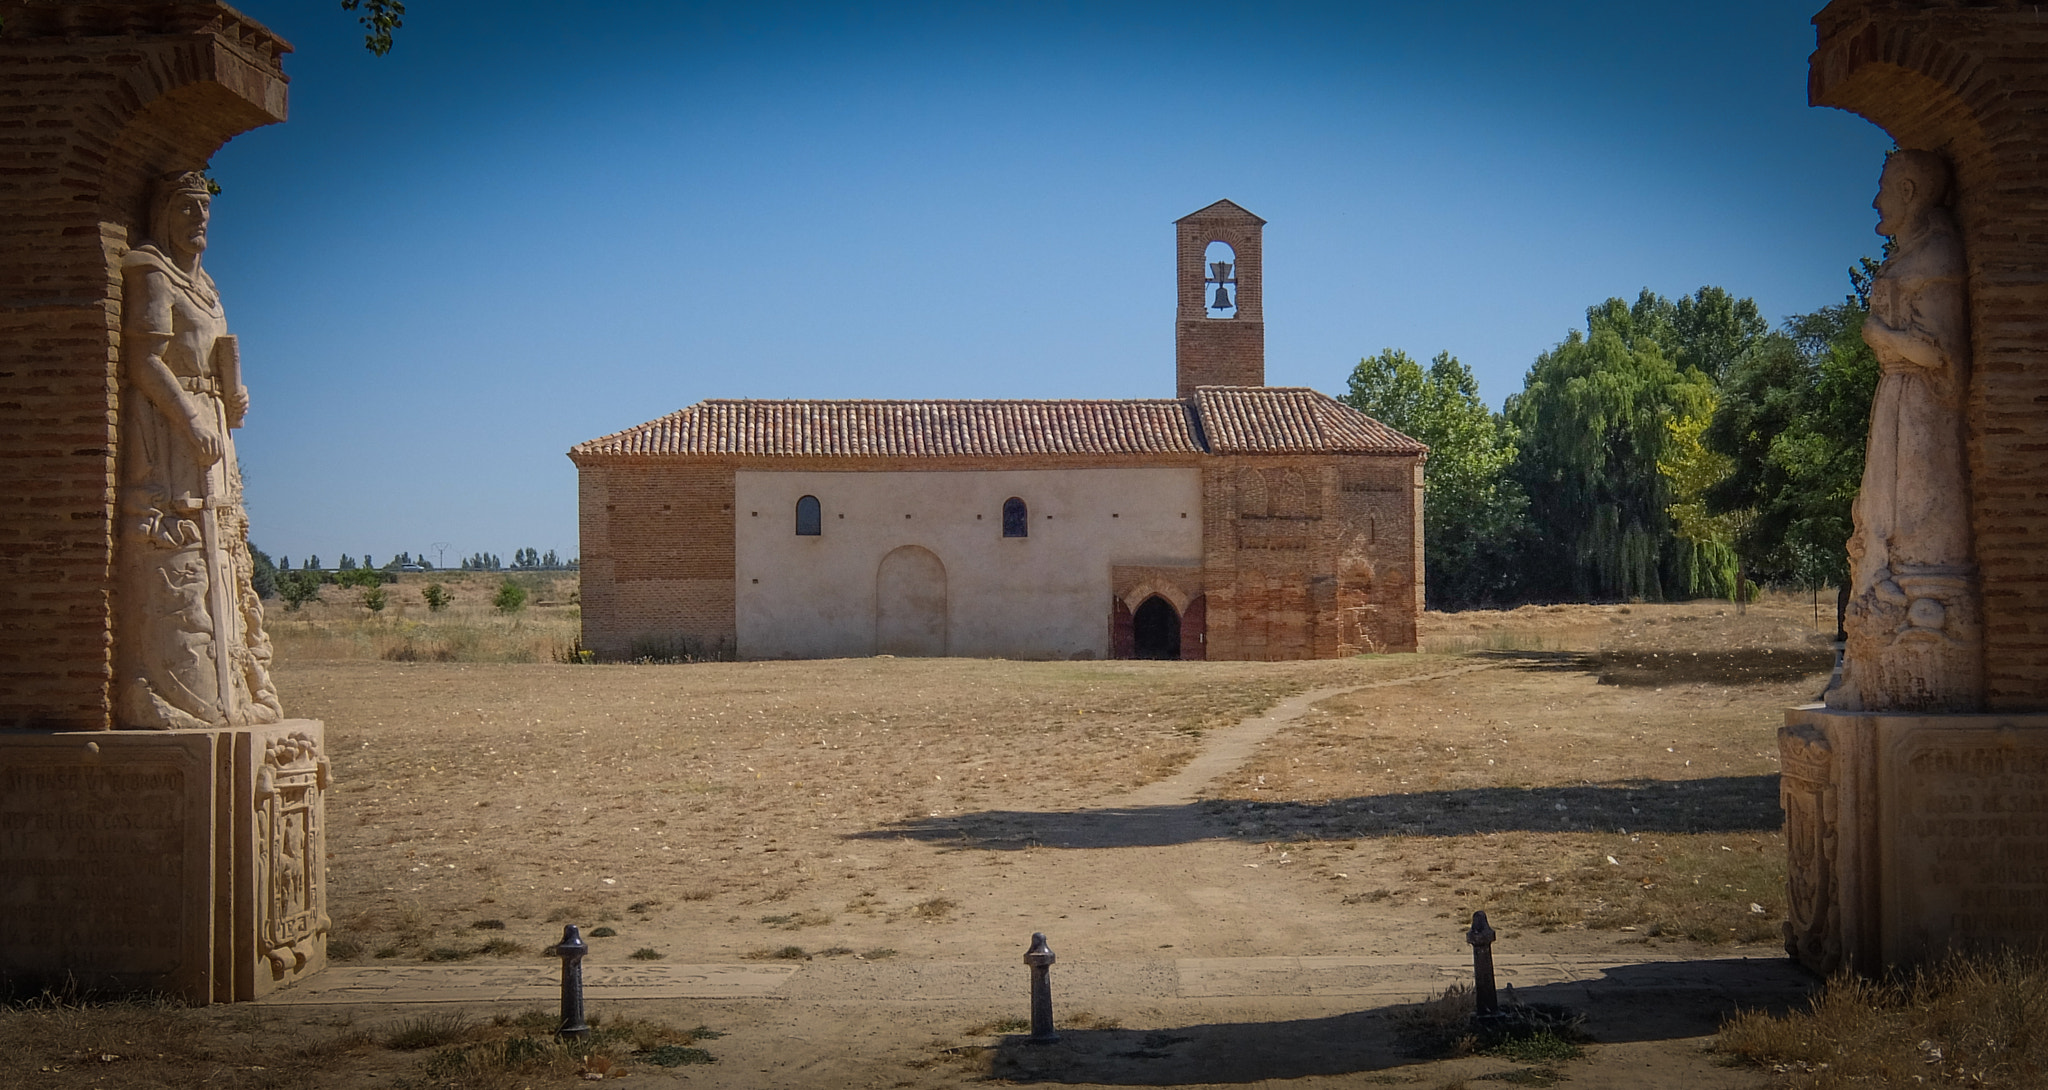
1219,351
95,101
1194,629
1966,79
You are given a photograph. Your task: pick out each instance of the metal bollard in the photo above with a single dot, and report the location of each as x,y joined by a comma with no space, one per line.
571,950
1485,1002
1040,958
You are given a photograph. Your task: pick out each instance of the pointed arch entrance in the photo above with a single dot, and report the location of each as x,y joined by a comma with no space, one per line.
1155,630
910,603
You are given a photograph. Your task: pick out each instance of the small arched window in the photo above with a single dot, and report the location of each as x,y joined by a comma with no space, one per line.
809,523
1016,518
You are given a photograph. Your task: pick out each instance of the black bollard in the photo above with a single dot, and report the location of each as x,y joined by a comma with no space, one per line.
1485,1003
1040,958
571,950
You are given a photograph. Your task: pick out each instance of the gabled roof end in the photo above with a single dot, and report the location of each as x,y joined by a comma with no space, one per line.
1222,210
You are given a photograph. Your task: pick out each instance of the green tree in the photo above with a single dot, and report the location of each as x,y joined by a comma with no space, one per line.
511,597
297,588
1711,329
375,599
1690,468
436,596
1793,420
1471,509
1703,332
379,19
262,573
1591,422
363,577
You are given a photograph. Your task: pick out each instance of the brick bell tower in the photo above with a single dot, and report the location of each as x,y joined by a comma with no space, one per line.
1219,333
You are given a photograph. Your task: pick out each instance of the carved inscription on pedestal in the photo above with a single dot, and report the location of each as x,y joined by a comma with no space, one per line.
1968,851
100,873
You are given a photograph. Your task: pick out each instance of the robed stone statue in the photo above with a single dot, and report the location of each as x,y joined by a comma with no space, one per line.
1915,623
189,647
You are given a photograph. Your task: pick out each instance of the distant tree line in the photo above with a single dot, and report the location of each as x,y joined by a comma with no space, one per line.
522,560
298,585
1669,450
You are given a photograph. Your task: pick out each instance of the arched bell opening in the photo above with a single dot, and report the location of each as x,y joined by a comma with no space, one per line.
1219,280
1155,630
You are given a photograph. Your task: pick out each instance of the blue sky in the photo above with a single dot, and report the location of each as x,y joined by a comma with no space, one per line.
521,230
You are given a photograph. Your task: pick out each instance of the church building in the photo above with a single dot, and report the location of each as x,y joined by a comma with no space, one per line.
1231,521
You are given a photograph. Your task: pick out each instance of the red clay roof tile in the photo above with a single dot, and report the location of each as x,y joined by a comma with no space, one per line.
1219,420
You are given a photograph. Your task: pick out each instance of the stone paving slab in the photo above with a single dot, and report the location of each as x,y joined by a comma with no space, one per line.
1394,979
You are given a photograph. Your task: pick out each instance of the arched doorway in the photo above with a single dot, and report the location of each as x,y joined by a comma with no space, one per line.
1155,630
910,603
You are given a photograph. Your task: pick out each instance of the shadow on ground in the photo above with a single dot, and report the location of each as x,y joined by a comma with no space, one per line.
1653,1001
1722,804
1753,666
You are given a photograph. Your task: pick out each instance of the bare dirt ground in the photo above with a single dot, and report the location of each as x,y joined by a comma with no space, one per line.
1601,779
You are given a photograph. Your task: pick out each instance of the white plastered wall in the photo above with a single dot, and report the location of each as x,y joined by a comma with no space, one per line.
1042,596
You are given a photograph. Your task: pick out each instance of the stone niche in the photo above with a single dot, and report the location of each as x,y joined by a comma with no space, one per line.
191,863
1913,834
1916,804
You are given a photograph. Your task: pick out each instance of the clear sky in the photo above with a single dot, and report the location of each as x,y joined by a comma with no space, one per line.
536,223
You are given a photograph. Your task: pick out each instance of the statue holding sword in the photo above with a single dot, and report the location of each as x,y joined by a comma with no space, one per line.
189,649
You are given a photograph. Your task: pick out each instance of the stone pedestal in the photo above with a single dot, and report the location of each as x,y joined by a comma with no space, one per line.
188,862
1913,834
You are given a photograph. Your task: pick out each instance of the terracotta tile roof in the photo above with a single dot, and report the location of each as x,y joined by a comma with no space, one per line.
1220,420
1291,420
911,428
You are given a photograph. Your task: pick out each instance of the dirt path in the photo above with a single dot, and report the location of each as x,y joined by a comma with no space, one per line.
1224,751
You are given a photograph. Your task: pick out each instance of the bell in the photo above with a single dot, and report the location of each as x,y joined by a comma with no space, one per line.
1222,299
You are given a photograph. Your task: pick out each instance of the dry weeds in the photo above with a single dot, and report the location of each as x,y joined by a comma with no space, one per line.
1973,1020
469,629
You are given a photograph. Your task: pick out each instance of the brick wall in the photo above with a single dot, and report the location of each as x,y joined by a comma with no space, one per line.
1331,566
1311,556
95,101
1968,79
1219,351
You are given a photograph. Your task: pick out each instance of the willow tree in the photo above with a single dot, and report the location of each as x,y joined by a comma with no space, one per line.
1592,417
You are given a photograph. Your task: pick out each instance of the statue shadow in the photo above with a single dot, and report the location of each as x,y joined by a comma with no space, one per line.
1744,666
1662,666
1650,1001
1720,804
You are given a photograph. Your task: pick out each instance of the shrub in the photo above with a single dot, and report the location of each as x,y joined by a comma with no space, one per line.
364,577
429,1031
511,597
298,587
668,649
437,597
374,599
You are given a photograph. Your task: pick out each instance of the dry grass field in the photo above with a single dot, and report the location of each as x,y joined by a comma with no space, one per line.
1600,779
467,629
